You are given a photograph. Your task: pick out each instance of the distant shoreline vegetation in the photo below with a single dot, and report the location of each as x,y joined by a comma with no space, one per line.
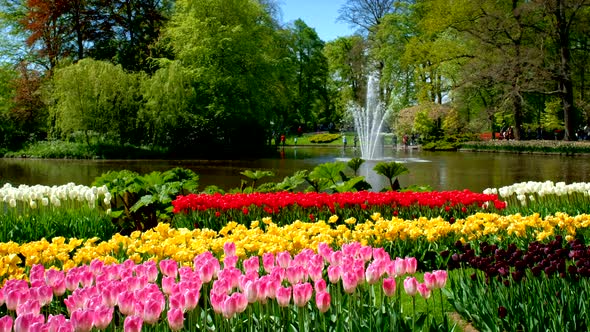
532,146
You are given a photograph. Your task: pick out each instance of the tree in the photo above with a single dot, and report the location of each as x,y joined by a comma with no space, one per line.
366,14
563,16
230,47
168,112
94,98
310,70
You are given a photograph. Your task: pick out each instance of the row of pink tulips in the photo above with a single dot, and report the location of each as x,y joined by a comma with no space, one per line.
166,295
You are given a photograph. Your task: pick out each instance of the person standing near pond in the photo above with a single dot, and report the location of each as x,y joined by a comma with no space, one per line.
283,140
344,141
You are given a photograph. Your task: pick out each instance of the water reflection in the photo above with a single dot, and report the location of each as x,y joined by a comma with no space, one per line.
440,170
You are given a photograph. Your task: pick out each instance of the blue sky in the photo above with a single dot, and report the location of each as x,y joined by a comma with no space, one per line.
318,14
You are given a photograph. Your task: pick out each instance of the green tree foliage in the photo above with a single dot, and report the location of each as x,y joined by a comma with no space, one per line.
229,47
310,71
168,114
94,97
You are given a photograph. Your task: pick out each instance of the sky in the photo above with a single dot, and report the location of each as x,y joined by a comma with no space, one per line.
318,14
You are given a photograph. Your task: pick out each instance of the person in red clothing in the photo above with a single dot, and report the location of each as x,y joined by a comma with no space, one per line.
283,139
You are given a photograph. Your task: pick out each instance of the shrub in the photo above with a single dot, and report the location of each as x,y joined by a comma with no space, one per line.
324,138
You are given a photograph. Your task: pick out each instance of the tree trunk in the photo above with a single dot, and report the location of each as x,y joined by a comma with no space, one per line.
565,75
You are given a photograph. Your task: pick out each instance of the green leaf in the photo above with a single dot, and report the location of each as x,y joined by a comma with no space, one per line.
143,201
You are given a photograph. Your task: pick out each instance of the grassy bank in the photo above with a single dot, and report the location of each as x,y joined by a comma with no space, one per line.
533,146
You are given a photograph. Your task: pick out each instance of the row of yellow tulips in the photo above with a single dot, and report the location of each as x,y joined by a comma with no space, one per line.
264,236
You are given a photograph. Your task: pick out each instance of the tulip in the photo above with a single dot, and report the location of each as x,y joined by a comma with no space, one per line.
302,294
132,324
5,323
349,282
424,291
29,306
334,273
441,278
389,286
169,267
283,259
229,249
399,267
126,302
320,285
230,261
372,274
152,310
411,286
23,323
175,319
252,264
411,265
230,307
15,297
283,296
268,261
82,320
322,300
430,280
103,316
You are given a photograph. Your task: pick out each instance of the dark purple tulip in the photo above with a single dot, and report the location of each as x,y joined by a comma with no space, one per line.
502,312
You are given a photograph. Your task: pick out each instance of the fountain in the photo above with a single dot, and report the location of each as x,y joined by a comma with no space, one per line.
368,122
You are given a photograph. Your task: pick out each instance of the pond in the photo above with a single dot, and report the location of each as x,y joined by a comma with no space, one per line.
440,170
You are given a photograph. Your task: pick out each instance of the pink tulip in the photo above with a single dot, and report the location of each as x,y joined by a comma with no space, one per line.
103,316
295,274
37,275
411,265
82,320
284,259
169,267
334,273
29,306
349,282
424,291
5,324
441,278
399,267
229,249
151,271
389,286
72,280
252,264
15,297
251,291
55,322
152,310
230,261
380,254
206,273
302,294
56,280
283,295
322,301
336,258
24,322
126,302
86,278
217,300
315,271
268,261
43,294
366,253
175,319
325,250
230,307
96,266
168,285
320,285
372,275
430,280
132,324
177,300
411,286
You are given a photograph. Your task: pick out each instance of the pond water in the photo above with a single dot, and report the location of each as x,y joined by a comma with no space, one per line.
440,170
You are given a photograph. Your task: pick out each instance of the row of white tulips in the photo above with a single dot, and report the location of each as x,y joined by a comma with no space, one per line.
54,196
532,190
